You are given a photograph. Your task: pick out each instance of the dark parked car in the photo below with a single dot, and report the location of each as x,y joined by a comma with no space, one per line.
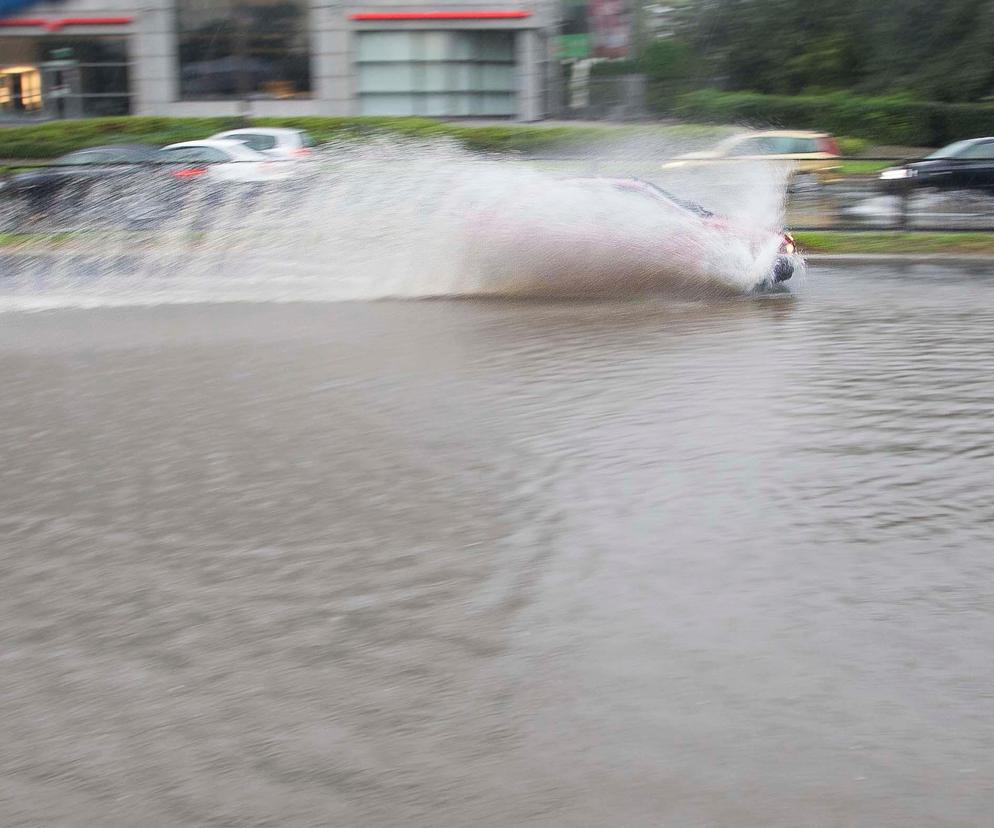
69,178
965,165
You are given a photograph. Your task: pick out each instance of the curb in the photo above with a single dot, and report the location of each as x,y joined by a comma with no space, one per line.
896,258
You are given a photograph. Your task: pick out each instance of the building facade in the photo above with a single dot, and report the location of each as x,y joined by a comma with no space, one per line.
278,58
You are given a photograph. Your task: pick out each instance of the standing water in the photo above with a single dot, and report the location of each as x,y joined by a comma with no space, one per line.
617,562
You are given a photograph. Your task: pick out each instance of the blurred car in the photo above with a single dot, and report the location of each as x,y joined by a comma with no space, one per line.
964,165
612,243
279,143
813,155
69,178
784,263
223,161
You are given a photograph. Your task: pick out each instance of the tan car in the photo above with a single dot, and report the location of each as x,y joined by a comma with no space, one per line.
813,156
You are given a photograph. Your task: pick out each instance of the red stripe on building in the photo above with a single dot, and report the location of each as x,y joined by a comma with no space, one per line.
55,25
442,15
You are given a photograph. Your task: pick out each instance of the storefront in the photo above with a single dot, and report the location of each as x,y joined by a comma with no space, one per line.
276,57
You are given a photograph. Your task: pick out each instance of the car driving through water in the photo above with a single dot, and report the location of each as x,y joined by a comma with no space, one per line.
610,235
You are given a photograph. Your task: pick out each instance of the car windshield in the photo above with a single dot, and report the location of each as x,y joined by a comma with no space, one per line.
253,140
82,157
193,155
659,192
951,151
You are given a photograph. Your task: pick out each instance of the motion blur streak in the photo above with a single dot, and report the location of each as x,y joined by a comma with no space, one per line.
495,563
386,219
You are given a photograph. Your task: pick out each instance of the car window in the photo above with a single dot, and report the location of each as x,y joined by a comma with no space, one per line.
83,157
195,155
177,154
306,140
752,146
952,150
659,194
791,145
255,140
981,151
124,156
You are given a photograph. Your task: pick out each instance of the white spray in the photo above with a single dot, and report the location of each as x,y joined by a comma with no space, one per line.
395,218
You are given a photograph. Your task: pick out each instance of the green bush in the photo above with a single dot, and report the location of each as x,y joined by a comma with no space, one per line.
891,120
614,68
56,138
853,146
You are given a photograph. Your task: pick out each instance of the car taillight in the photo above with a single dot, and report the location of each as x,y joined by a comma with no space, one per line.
828,145
189,172
301,152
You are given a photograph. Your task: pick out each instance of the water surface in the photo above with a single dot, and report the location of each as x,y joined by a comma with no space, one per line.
503,563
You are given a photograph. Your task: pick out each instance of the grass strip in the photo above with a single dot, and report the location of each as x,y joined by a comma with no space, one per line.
895,242
864,167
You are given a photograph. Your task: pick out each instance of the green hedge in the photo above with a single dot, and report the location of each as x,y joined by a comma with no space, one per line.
56,138
882,120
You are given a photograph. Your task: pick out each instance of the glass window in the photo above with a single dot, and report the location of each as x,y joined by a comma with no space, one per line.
440,73
438,77
194,155
437,45
497,104
65,76
752,146
496,46
981,151
255,141
787,145
75,159
387,77
386,105
951,151
497,77
259,46
387,46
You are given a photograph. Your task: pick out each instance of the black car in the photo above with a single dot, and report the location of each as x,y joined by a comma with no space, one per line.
68,179
965,165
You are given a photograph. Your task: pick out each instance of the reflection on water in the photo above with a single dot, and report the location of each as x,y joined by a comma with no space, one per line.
442,563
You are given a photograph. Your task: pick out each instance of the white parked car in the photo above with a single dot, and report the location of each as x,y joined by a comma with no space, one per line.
276,142
223,162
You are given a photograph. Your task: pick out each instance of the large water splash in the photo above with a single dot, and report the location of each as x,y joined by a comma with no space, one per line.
395,218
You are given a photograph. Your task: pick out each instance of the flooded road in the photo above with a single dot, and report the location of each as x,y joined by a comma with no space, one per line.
503,563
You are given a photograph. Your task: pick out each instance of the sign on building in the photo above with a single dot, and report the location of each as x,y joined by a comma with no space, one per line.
610,24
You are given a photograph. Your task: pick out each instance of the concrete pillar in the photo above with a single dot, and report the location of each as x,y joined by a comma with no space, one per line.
154,59
531,67
331,62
